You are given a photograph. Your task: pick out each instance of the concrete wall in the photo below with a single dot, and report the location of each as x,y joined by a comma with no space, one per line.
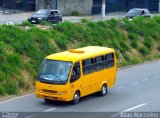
82,6
43,4
39,4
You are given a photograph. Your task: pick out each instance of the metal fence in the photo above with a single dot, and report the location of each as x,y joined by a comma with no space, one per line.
125,5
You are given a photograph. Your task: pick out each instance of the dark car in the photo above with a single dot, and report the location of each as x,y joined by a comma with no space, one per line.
138,12
53,16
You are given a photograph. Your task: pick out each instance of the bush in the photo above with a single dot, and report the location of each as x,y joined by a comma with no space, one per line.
75,13
2,48
132,36
2,91
2,52
26,23
124,47
21,83
148,42
127,58
112,23
3,76
158,47
10,87
15,60
134,44
143,51
46,23
62,43
83,20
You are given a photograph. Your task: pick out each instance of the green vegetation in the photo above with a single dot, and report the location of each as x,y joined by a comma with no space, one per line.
84,20
143,51
22,50
148,42
26,23
75,13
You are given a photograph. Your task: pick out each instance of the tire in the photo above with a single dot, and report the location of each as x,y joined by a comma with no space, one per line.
104,90
76,97
47,100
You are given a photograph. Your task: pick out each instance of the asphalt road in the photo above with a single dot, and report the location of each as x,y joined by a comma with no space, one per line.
19,18
137,89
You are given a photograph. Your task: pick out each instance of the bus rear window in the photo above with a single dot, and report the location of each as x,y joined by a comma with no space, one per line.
109,60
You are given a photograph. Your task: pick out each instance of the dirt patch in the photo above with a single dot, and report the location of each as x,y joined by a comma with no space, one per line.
28,79
26,58
133,53
9,50
52,41
43,27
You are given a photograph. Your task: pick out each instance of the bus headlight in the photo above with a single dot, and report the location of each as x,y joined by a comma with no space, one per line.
38,90
62,92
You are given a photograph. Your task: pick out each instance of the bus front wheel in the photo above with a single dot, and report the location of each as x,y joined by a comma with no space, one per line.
103,91
76,97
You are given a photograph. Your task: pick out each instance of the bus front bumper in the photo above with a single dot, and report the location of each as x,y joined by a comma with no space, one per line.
57,97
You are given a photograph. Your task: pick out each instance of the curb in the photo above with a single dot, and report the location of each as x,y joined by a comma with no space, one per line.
134,65
7,98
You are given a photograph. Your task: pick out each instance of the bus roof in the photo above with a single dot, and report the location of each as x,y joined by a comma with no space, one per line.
74,55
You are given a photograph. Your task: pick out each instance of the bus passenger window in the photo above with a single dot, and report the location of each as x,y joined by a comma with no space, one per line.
75,72
109,60
99,63
88,66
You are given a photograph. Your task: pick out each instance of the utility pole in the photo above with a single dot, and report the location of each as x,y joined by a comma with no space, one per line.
37,5
103,8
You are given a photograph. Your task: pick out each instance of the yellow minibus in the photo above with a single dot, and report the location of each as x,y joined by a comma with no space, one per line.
69,75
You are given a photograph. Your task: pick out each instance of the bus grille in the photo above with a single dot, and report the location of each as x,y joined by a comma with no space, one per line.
49,91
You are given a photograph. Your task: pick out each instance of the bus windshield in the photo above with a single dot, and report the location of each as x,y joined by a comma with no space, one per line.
54,72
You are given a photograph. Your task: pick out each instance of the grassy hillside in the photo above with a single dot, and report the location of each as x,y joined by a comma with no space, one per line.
22,50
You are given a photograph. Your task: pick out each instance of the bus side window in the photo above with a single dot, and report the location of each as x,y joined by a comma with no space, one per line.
75,72
99,63
109,60
88,66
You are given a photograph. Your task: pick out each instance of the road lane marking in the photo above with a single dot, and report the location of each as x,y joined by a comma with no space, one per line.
134,83
117,114
127,110
130,109
16,98
145,79
49,109
30,116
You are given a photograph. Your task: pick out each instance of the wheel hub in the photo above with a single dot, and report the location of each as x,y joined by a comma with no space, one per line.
104,90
